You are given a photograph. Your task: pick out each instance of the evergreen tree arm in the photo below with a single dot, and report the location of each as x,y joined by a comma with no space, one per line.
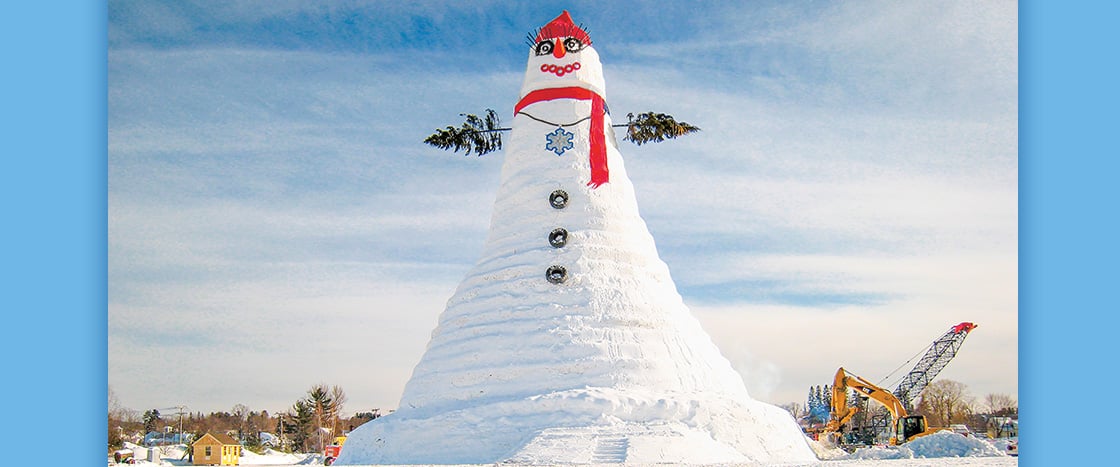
477,134
482,135
650,127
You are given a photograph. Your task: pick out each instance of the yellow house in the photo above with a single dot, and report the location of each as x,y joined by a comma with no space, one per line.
216,449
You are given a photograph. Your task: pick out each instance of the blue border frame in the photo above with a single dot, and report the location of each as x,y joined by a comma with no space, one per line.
55,141
1067,186
55,189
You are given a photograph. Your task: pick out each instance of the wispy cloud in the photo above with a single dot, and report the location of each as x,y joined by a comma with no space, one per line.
856,170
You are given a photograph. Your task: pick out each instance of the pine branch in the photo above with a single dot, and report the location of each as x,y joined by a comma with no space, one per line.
481,135
652,127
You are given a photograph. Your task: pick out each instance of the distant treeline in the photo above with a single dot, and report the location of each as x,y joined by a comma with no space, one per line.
312,422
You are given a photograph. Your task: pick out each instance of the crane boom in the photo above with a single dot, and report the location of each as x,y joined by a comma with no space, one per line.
939,354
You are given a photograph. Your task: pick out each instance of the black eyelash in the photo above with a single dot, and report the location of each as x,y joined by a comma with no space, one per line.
531,37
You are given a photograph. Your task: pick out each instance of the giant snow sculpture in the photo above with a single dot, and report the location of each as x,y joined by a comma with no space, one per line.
568,342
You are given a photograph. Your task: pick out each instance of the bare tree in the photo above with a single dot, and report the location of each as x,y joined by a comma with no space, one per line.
1000,404
114,403
795,409
945,402
240,414
338,399
116,434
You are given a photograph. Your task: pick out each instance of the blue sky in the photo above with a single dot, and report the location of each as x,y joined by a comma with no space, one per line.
856,176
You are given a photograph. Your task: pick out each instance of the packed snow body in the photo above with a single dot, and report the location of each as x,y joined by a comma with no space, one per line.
602,361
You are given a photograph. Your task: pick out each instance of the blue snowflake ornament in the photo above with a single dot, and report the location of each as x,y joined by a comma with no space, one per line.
559,141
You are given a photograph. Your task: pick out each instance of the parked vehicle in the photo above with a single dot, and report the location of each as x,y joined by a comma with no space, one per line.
123,456
1013,448
330,453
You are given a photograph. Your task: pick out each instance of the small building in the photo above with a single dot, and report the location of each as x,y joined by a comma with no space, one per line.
1003,427
216,449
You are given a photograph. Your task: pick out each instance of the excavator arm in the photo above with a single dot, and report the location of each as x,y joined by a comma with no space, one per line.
912,426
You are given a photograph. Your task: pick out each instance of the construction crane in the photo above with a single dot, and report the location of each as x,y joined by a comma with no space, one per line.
936,356
940,352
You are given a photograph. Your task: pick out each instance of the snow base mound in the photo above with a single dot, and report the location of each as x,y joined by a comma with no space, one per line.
940,444
589,426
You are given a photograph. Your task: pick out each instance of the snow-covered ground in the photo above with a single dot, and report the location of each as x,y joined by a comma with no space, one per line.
176,455
940,449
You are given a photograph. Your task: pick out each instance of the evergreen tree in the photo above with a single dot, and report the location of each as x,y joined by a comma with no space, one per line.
151,421
820,407
322,406
814,404
811,402
284,431
301,422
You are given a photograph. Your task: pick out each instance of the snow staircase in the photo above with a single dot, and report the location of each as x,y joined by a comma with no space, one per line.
621,444
610,450
585,445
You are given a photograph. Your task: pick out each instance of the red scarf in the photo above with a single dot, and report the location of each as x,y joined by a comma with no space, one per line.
599,172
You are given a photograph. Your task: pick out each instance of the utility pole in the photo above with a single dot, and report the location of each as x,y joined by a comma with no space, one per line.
283,440
180,409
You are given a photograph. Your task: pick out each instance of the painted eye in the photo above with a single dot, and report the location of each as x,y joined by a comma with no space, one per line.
544,47
572,44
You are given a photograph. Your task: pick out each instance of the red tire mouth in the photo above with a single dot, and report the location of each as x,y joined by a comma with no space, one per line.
560,70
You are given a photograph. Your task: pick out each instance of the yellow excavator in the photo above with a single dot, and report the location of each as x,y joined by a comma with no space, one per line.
904,427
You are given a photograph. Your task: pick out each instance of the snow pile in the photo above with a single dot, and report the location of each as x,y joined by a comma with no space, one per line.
272,457
176,451
1008,445
949,444
143,454
940,444
280,457
604,364
311,459
824,452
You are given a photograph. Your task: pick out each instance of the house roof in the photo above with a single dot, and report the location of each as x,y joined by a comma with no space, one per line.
219,437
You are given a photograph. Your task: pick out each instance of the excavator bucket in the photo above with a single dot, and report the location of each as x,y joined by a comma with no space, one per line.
830,439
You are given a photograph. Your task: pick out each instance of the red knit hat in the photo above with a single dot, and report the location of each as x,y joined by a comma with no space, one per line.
563,26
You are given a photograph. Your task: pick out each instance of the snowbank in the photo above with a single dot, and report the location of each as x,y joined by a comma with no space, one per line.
271,457
937,445
177,455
